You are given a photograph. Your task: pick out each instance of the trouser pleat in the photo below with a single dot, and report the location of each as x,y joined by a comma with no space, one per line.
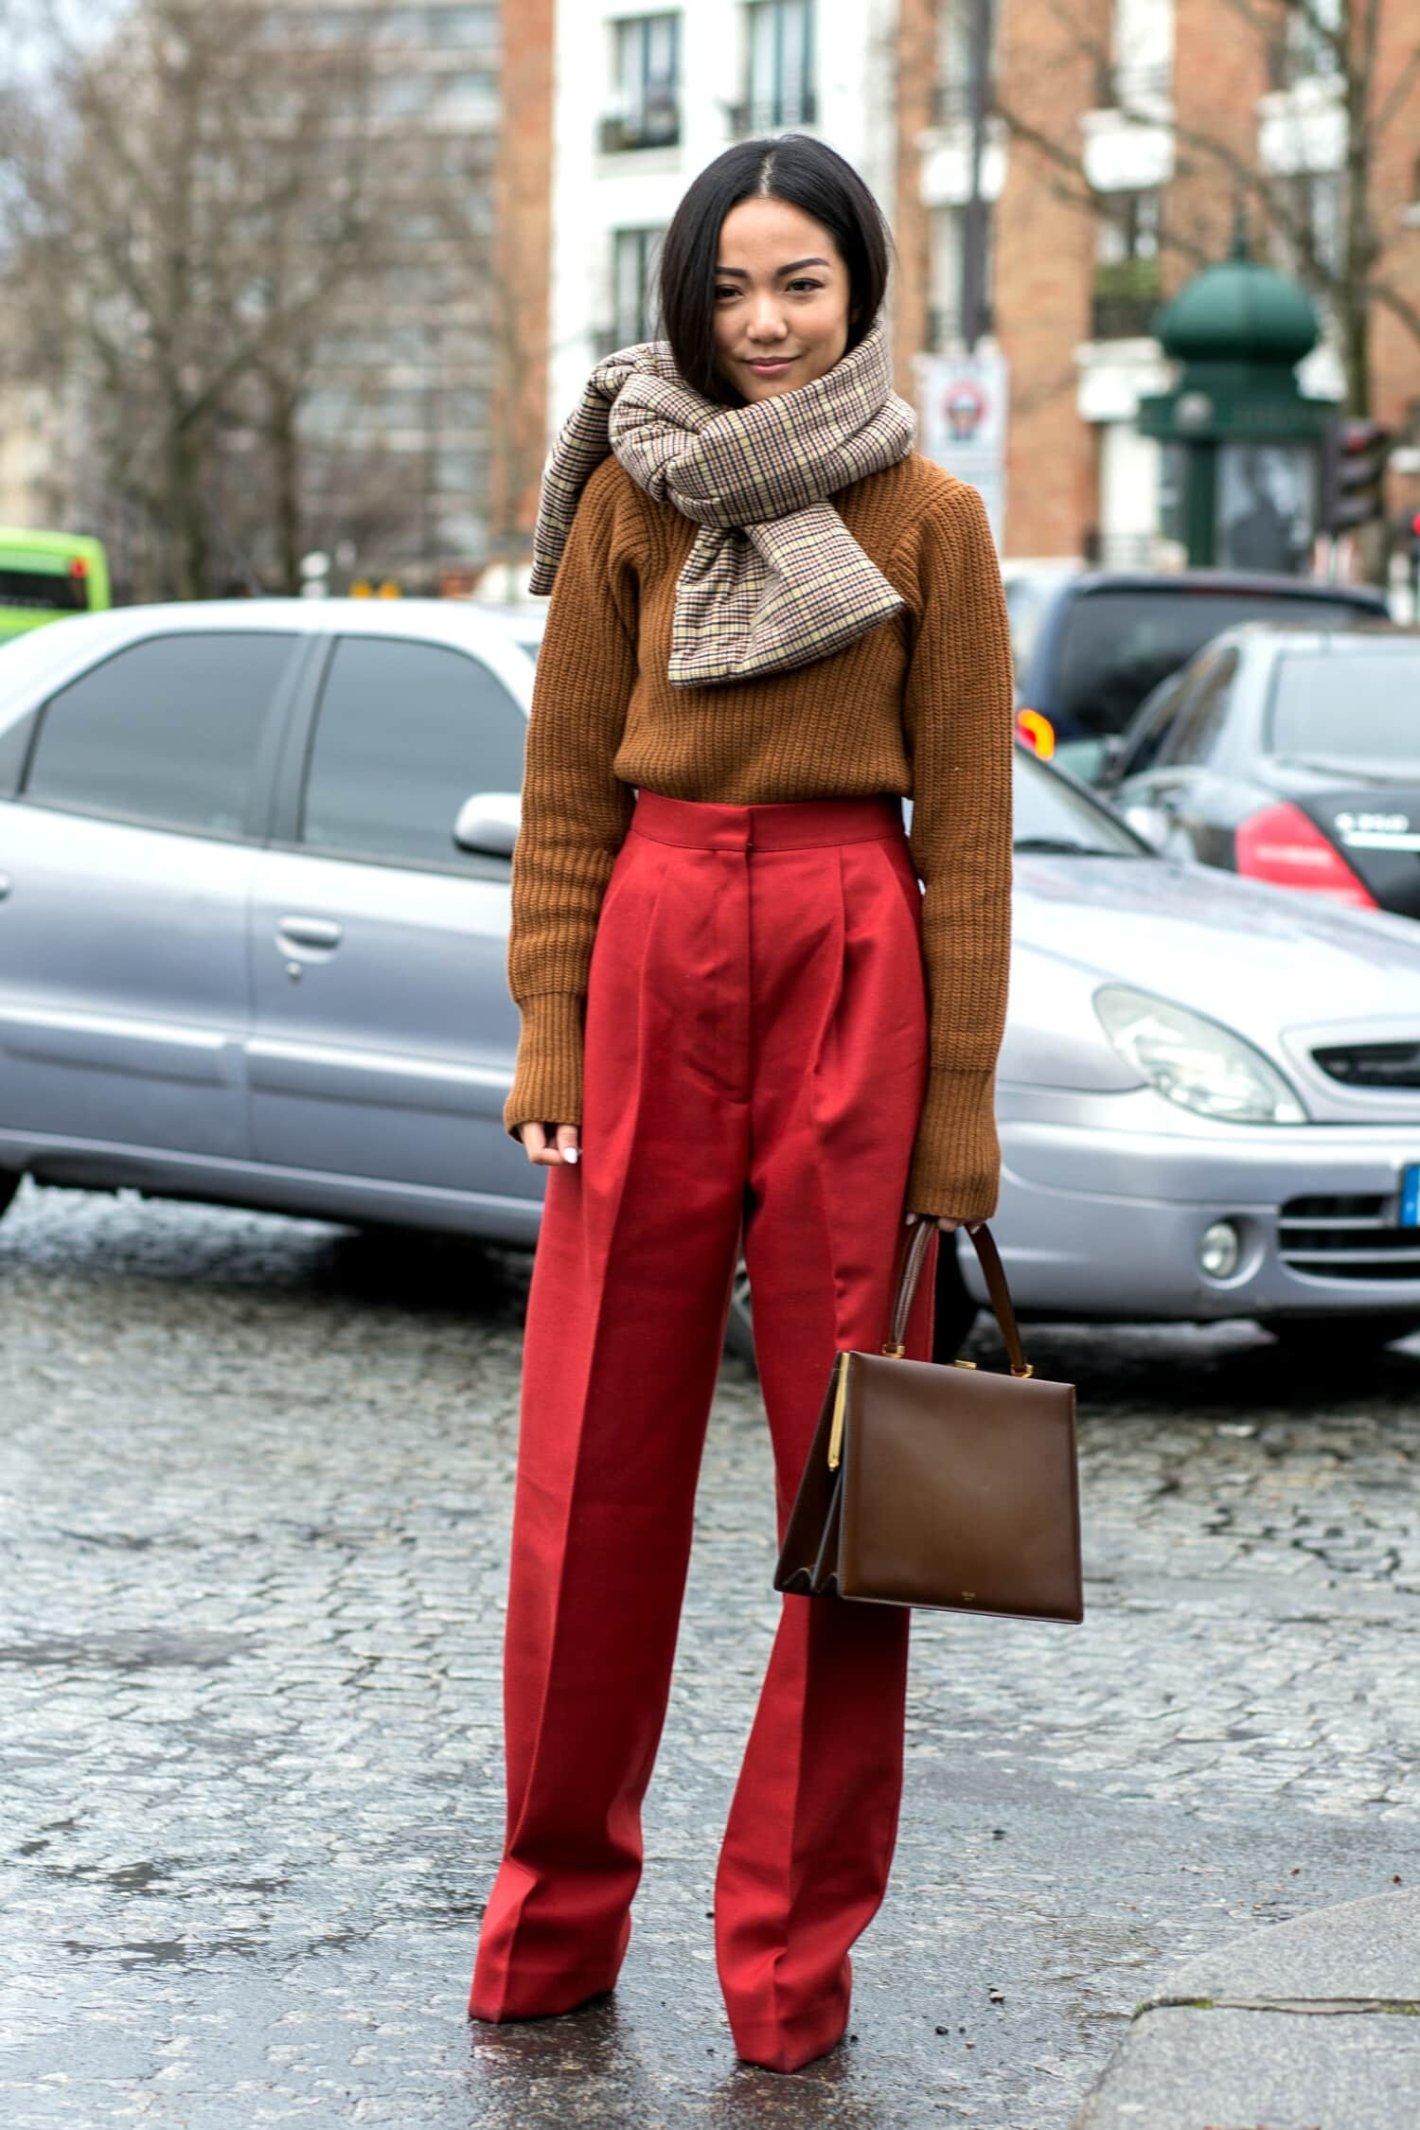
622,1340
808,1846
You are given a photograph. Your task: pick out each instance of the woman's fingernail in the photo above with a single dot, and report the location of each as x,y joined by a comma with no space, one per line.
569,1153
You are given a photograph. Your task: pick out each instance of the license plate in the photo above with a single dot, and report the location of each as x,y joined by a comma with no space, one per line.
1410,1195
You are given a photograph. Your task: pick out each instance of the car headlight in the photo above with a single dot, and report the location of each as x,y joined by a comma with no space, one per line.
1195,1062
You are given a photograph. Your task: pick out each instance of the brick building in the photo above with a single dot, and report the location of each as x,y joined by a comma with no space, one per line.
1120,138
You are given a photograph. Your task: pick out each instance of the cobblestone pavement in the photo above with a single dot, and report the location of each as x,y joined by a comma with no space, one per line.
254,1493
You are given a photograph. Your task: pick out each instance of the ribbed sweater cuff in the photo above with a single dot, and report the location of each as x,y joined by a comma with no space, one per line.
547,1078
956,1159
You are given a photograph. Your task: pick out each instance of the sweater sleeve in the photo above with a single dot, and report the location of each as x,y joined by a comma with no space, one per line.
575,812
959,716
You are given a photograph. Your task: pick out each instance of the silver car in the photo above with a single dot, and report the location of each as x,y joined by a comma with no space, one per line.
254,877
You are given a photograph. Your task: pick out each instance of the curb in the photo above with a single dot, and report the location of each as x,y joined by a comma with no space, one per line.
1312,2024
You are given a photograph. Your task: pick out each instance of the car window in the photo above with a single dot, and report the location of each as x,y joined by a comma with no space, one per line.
1140,742
1364,708
1051,813
1202,713
404,733
164,732
1117,644
1026,601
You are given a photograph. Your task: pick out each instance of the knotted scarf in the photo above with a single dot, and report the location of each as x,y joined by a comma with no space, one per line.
774,578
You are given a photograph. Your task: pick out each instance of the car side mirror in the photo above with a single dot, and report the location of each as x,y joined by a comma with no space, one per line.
488,822
1150,822
1107,761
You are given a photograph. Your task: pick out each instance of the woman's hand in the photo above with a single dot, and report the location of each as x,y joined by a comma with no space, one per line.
946,1223
564,1148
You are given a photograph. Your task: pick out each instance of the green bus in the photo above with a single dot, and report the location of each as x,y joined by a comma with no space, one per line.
44,575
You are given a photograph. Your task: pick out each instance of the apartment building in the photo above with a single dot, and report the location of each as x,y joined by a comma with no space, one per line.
1124,136
1120,136
395,428
647,94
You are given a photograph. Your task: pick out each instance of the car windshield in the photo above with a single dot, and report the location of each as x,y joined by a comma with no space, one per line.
1118,644
1052,816
1364,708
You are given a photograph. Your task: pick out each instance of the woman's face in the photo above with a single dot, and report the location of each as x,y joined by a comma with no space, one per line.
782,299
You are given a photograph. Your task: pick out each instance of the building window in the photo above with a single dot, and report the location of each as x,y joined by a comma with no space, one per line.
1139,70
1129,226
634,258
946,317
463,29
1305,44
779,69
468,96
1127,287
1307,237
403,95
956,34
645,110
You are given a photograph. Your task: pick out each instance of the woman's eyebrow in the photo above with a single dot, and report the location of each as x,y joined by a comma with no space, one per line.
792,267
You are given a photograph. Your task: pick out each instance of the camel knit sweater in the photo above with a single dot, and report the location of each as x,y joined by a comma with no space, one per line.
920,706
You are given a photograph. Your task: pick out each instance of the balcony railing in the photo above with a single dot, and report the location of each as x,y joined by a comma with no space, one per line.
655,125
1125,87
1121,317
794,107
951,102
1124,299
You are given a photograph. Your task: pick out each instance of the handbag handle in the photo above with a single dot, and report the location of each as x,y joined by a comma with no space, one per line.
1000,1293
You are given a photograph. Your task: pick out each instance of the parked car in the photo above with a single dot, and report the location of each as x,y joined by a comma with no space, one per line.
254,884
1090,645
1289,754
253,935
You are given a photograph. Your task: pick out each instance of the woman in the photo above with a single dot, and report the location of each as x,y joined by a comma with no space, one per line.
741,1016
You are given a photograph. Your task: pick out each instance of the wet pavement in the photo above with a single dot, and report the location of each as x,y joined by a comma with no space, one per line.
254,1487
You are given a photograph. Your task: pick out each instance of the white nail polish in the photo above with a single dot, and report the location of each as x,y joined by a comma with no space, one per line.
570,1153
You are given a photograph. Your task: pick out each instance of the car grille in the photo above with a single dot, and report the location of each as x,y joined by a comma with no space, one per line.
1371,1064
1347,1238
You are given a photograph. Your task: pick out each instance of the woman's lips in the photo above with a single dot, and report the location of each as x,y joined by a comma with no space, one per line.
769,364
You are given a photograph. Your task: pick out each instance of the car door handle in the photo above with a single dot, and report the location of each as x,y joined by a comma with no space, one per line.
309,932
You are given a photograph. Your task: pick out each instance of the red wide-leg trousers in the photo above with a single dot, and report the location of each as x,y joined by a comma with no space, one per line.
755,1057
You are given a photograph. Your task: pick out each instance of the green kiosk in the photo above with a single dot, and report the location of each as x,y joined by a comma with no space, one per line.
1242,446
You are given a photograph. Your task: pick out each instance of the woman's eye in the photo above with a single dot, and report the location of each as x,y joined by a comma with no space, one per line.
806,284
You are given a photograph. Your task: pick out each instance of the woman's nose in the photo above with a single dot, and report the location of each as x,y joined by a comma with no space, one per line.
766,322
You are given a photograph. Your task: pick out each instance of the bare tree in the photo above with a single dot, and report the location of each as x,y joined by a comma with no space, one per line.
183,201
1350,268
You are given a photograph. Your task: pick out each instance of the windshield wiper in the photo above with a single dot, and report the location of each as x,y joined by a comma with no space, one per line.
1361,772
1063,846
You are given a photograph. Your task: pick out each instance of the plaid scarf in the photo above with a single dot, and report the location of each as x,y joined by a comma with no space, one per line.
774,578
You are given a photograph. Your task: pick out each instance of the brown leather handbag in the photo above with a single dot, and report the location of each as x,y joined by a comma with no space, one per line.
941,1484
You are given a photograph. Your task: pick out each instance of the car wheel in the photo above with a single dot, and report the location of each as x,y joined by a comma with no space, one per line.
1330,1340
739,1329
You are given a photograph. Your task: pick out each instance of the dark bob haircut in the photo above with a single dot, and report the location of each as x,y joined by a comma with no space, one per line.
784,166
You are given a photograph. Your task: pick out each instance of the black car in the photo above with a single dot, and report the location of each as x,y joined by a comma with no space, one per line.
1089,646
1290,754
